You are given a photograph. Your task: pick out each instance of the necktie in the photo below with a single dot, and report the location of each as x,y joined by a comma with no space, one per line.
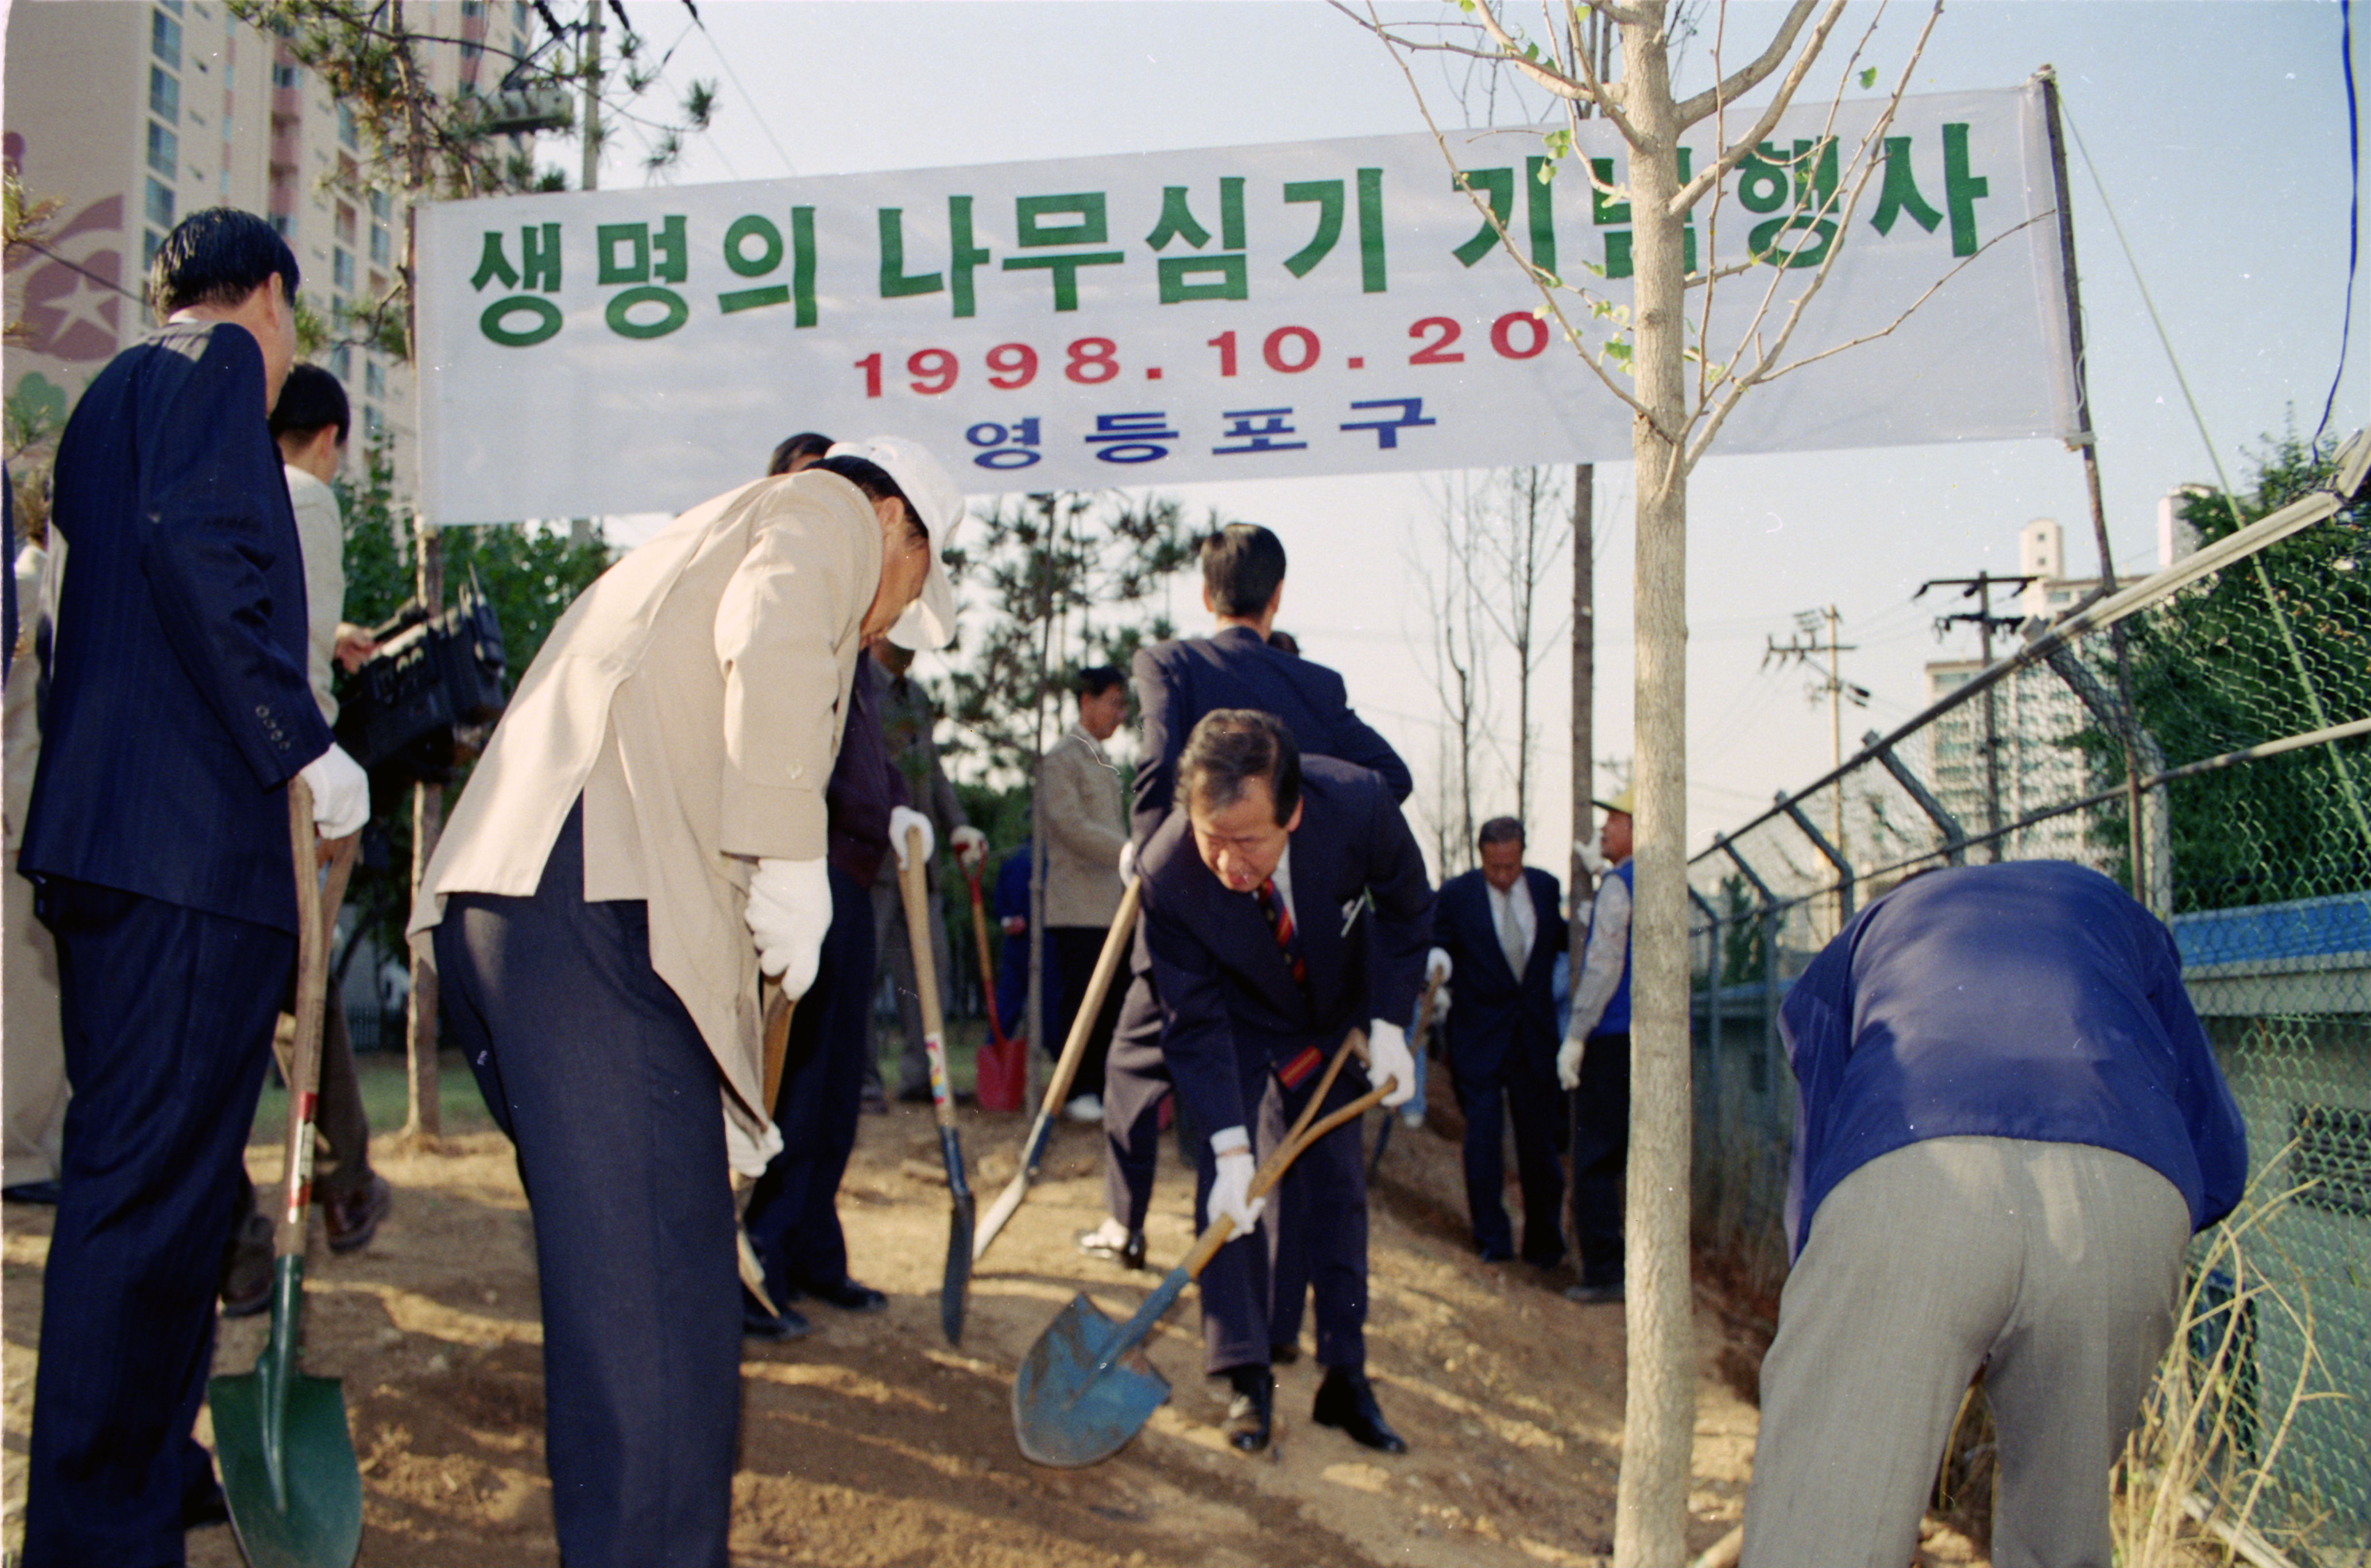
1510,935
1279,921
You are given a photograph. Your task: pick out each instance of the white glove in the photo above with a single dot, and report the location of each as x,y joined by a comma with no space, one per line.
1568,1062
341,792
1387,1058
901,818
747,1156
789,911
1436,966
970,846
1230,1187
1127,864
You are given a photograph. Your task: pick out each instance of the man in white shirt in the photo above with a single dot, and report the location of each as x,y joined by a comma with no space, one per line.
310,422
1595,1064
1086,826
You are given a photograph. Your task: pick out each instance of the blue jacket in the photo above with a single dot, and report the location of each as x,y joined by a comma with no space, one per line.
1495,1011
1179,683
2031,999
1230,1009
178,705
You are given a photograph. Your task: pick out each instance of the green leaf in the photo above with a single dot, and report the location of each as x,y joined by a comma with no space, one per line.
1869,77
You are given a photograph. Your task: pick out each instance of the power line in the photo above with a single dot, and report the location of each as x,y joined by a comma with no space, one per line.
746,96
2353,208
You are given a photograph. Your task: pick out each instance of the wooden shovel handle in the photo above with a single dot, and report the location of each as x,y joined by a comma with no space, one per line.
315,914
1296,1143
914,887
779,1007
1082,1027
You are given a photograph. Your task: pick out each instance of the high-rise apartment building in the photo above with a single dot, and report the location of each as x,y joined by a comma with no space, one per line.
134,115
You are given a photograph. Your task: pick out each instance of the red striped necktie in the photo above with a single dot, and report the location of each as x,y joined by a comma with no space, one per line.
1280,920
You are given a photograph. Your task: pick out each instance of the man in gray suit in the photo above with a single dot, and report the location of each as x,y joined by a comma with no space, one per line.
1085,828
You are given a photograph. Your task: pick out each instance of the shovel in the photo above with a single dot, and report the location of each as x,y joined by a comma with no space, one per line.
957,1280
1083,1028
1073,1402
777,1041
287,1460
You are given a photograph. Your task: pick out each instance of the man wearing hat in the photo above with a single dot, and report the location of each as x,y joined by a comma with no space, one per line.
1595,1064
645,835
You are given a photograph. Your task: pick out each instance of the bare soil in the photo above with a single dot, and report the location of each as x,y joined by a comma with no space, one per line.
871,1442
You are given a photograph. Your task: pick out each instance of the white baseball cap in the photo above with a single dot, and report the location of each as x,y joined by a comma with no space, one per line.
928,621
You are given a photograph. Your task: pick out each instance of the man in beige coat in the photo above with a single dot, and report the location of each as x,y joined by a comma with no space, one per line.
645,835
1086,827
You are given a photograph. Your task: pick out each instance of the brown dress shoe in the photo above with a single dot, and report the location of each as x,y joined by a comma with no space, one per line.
352,1218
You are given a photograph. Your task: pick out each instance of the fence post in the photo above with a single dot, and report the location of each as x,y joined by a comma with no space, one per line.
1828,852
1712,1010
2153,875
1728,845
1954,837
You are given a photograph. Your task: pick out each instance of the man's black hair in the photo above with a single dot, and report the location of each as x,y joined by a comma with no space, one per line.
1097,679
1499,830
217,257
1284,642
806,444
1231,747
874,481
310,399
1243,566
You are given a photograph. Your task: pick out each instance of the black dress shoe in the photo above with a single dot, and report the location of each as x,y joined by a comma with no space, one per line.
203,1505
848,1296
1284,1353
31,1192
1251,1414
246,1278
352,1218
1132,1255
1346,1399
757,1323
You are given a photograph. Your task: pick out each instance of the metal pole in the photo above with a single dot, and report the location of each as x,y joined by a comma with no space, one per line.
1954,837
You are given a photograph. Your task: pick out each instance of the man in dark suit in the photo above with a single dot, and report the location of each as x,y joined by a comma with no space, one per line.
1176,683
1286,905
1500,929
157,832
793,1219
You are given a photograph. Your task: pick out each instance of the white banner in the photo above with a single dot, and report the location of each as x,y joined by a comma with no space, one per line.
1320,307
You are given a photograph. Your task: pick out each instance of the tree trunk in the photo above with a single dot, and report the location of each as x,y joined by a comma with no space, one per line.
1650,1509
426,1121
1584,686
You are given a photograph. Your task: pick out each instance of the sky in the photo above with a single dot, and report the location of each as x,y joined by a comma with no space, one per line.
2217,128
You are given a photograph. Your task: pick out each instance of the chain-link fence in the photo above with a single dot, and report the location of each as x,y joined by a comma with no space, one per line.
2204,737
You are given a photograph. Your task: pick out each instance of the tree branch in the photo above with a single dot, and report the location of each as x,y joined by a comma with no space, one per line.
1738,83
1732,156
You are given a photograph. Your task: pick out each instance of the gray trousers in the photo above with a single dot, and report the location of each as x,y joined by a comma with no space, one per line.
2051,1268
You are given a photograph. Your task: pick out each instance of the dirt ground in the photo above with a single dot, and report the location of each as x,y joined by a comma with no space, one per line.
871,1442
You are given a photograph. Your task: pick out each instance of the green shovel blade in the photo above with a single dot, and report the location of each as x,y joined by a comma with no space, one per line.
287,1459
1073,1402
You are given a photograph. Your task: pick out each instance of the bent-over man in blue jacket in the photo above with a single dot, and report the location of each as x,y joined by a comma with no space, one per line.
2008,1127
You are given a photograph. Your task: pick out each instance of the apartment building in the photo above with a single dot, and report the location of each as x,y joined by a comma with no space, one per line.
134,115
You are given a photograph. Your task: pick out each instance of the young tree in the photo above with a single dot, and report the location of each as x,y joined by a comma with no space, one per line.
1680,393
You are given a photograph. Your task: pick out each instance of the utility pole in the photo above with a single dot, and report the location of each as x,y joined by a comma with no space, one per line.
591,68
1980,588
1804,648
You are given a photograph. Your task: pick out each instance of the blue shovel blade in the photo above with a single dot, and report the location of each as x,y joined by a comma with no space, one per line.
1075,1403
